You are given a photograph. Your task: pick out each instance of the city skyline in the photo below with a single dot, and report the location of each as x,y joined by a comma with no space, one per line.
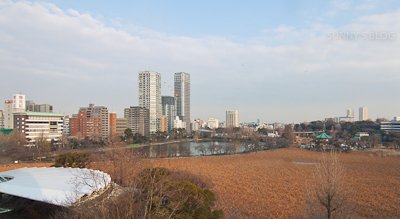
282,61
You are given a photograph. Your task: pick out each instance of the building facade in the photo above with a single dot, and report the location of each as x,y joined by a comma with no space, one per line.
179,124
213,123
169,111
90,122
121,126
150,97
392,126
182,94
66,131
33,107
163,124
138,120
8,114
232,119
363,113
113,124
18,103
1,120
39,126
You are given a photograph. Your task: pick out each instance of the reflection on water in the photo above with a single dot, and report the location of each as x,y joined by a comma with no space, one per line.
186,149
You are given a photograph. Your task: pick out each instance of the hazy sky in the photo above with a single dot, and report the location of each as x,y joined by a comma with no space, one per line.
286,61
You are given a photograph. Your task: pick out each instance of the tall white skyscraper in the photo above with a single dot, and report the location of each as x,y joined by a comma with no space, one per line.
363,113
232,119
182,94
150,97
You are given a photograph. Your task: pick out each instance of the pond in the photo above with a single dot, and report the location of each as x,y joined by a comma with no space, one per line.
188,149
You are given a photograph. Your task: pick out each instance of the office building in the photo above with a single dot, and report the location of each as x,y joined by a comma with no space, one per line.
178,123
150,97
138,120
350,113
8,114
18,103
39,125
90,122
198,124
182,94
169,111
363,113
232,119
213,123
66,131
33,107
392,126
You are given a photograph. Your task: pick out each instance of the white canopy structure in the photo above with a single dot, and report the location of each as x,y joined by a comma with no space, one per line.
58,186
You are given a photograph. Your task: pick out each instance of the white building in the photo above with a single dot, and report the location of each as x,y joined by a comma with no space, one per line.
232,119
39,125
179,124
19,103
213,123
363,113
182,94
197,124
150,97
66,131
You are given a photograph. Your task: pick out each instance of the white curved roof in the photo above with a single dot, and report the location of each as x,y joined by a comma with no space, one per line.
58,186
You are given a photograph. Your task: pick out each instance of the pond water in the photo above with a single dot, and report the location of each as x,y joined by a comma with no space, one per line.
187,149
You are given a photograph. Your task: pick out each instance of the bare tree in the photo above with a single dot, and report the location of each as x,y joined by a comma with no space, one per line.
327,196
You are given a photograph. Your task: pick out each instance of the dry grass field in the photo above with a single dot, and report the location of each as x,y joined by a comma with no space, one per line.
272,184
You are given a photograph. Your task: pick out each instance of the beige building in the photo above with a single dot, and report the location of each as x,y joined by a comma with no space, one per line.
138,120
363,113
121,126
232,119
164,124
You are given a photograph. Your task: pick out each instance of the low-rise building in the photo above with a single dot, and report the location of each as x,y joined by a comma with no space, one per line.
213,123
39,126
178,123
392,126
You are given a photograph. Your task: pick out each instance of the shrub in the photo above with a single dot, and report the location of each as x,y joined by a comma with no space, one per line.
166,194
74,159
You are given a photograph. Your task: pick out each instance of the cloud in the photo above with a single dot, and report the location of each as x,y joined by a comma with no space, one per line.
99,63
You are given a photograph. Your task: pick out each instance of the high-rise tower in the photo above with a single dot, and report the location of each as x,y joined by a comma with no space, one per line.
363,113
150,97
232,119
182,94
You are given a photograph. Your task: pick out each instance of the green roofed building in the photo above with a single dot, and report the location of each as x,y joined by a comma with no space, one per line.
324,136
5,131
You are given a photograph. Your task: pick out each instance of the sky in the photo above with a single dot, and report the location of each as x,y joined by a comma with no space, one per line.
277,61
